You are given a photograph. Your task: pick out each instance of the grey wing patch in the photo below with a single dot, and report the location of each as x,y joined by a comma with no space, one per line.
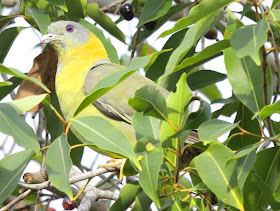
112,111
107,106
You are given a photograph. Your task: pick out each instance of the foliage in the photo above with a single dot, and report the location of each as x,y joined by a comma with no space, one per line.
240,173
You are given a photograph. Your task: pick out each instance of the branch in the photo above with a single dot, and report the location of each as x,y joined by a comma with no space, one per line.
15,201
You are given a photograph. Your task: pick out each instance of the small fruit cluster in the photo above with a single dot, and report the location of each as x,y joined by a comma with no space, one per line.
127,12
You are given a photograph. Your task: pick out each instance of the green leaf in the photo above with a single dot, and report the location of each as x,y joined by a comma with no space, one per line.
11,124
142,202
244,165
60,3
7,83
149,100
41,17
4,91
25,104
211,92
275,3
19,74
247,40
219,177
59,164
111,51
266,166
269,110
145,33
127,195
267,193
204,78
244,117
207,52
76,154
11,169
191,37
113,79
148,177
152,10
246,79
151,128
76,8
177,109
53,123
211,130
158,66
7,38
195,119
105,136
104,21
202,10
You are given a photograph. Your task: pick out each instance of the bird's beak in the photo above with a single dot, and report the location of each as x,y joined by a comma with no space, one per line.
47,38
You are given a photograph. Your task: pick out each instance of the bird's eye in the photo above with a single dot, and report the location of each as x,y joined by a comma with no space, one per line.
70,28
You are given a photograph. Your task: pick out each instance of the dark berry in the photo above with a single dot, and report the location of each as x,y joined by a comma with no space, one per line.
150,25
127,11
211,34
68,204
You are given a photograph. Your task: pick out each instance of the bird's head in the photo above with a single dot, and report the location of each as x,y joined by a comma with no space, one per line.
71,37
66,34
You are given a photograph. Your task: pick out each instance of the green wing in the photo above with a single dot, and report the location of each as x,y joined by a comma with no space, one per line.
115,102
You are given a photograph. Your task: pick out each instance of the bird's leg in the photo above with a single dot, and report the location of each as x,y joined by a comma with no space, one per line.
114,163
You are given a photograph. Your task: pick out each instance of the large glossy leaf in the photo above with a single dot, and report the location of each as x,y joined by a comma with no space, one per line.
203,78
19,74
153,9
60,4
11,124
145,33
7,38
76,8
246,79
207,52
25,104
104,21
149,100
219,177
105,136
267,193
195,119
191,37
158,66
4,91
245,164
59,164
142,202
247,40
11,169
177,108
152,154
202,10
113,79
266,166
127,195
269,110
151,128
244,117
41,17
211,130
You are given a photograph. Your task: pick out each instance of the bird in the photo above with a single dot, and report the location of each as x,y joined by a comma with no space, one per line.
82,62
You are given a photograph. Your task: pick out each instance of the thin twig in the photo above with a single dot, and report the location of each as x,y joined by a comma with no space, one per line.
114,4
18,199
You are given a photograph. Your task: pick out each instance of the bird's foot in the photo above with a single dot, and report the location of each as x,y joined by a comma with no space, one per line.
115,163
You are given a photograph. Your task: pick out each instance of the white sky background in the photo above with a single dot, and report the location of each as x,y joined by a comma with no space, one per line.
27,46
